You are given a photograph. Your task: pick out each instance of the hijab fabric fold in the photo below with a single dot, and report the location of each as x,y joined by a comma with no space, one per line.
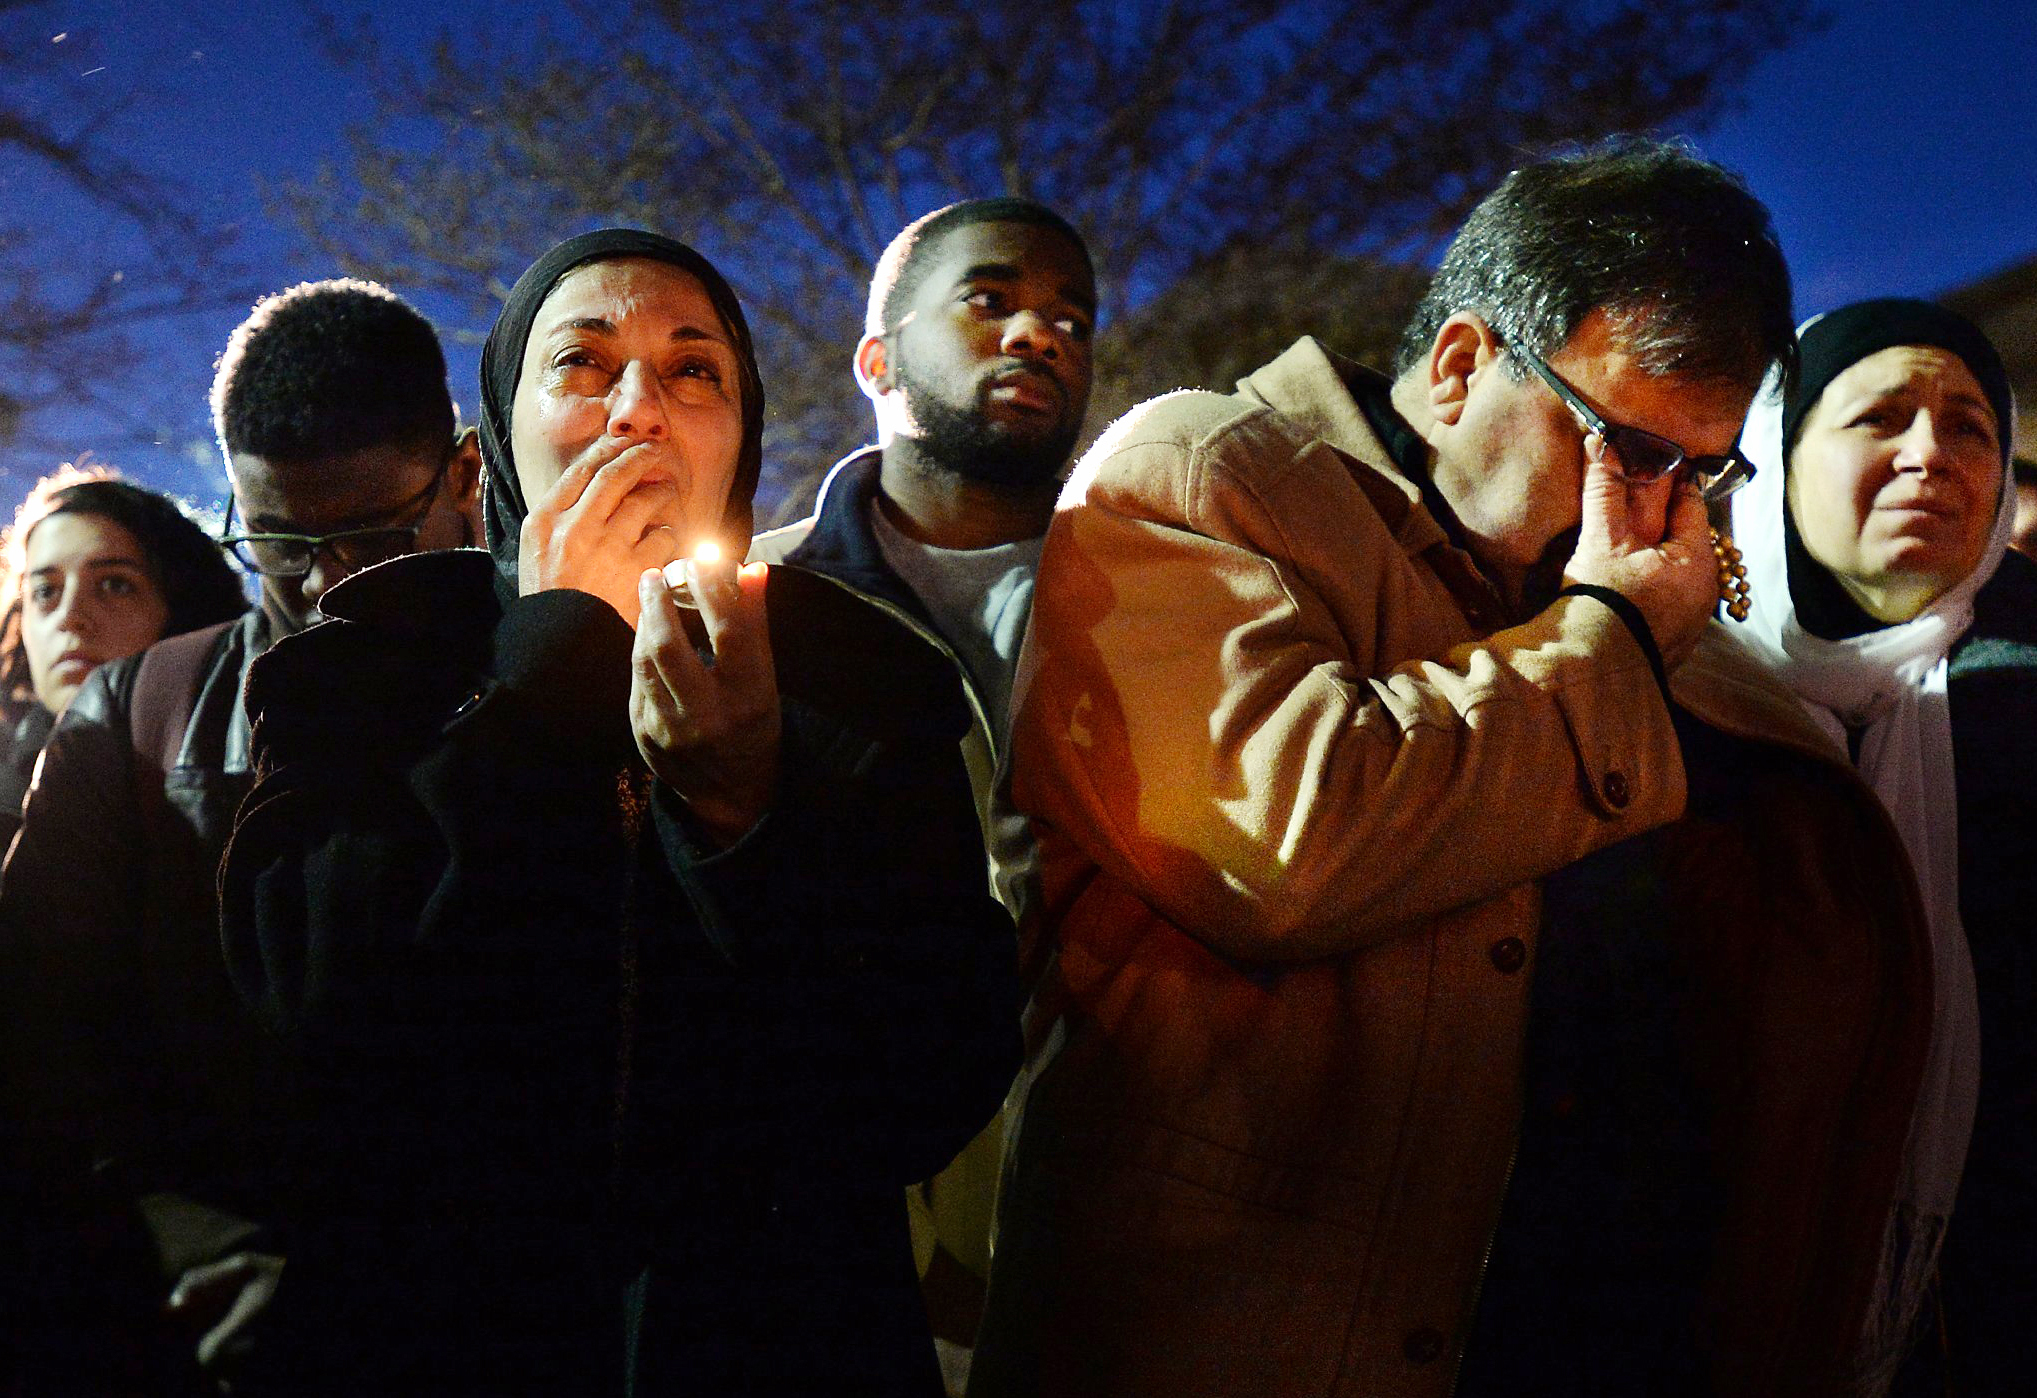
503,505
1888,687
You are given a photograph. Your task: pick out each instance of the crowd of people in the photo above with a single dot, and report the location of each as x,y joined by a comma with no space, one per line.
1508,876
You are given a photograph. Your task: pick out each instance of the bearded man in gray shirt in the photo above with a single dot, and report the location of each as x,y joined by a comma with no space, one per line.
976,357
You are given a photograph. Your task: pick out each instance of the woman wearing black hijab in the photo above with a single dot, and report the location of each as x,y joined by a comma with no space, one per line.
1884,595
627,977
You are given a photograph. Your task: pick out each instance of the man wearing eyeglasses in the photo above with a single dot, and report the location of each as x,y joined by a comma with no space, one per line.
338,432
1463,972
312,514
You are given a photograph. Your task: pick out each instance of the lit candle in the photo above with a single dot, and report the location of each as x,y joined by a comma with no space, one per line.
676,577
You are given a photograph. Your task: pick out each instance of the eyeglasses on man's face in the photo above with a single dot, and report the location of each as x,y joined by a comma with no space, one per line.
291,555
1642,456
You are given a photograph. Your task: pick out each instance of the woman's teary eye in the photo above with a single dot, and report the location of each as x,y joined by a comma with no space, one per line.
43,593
1973,427
118,585
577,367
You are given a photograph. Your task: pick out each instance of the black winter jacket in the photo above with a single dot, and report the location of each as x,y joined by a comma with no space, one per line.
1989,1265
584,1107
108,901
133,1077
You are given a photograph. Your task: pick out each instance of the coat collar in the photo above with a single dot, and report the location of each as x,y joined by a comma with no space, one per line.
840,543
1317,388
426,596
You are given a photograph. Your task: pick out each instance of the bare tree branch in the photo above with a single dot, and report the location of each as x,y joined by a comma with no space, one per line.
1243,168
70,302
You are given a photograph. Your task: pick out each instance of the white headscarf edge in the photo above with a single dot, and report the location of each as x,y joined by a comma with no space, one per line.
1894,681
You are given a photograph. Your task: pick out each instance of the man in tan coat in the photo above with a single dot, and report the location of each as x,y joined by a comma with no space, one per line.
1381,870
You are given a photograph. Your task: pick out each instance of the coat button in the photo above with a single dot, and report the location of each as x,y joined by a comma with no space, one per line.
1617,792
1509,954
1423,1345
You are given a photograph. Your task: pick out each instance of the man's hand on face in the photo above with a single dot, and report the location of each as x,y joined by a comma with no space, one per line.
1650,543
708,724
589,530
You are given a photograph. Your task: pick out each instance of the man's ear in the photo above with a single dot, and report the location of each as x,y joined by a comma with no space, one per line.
463,472
1464,347
873,367
463,480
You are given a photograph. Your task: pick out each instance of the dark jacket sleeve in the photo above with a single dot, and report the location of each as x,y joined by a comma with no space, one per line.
358,885
418,902
857,923
81,1284
70,906
122,1045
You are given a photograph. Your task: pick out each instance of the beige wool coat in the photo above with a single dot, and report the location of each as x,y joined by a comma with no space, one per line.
1294,778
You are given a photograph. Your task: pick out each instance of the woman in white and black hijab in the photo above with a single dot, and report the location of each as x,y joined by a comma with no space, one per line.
1875,546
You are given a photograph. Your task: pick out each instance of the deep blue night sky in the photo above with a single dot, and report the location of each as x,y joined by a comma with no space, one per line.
1895,147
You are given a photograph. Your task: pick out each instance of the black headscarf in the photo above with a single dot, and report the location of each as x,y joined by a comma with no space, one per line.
503,505
1827,347
1833,343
